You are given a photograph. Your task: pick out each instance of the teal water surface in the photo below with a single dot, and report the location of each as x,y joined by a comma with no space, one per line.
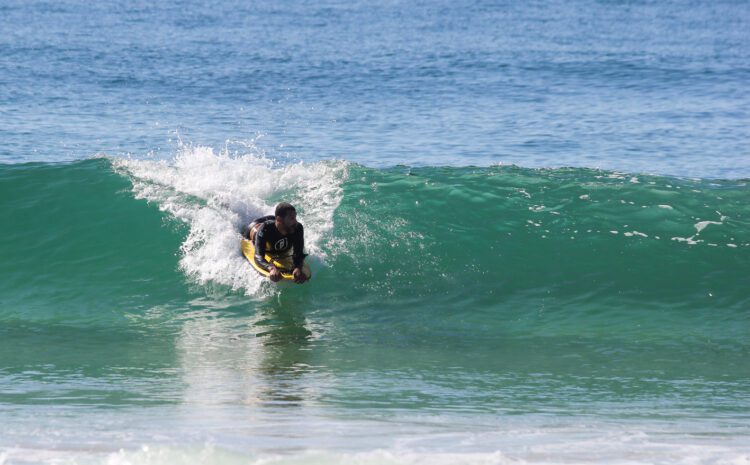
527,223
588,298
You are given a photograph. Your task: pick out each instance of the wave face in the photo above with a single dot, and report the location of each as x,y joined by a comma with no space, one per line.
545,252
468,304
77,249
551,251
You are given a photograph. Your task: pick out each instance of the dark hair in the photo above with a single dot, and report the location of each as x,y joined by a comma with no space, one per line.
284,208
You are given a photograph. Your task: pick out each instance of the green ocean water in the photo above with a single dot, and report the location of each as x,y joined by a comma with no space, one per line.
567,302
477,314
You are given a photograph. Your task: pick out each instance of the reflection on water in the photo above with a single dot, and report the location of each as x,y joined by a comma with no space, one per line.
257,355
284,341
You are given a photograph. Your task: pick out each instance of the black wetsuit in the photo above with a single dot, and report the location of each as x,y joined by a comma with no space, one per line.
268,239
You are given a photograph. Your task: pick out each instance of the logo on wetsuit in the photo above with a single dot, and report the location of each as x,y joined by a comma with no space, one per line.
281,244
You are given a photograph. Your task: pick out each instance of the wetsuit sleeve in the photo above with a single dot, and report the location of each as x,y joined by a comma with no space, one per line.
260,248
299,246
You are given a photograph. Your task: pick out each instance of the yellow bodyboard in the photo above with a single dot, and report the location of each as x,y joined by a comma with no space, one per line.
284,264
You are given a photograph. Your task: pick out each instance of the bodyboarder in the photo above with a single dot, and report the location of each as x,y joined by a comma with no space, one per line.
280,236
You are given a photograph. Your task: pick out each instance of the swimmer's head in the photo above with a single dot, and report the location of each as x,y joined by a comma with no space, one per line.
286,215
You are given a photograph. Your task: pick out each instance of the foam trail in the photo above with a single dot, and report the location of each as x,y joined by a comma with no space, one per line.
216,193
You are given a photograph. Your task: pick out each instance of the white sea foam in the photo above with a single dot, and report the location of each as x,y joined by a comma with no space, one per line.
699,227
311,457
634,447
216,193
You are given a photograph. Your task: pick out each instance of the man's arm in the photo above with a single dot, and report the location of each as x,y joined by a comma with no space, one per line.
260,248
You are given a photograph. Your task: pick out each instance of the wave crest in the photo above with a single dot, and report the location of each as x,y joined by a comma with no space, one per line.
216,193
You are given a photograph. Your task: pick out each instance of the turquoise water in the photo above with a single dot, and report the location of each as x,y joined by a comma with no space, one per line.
581,315
528,225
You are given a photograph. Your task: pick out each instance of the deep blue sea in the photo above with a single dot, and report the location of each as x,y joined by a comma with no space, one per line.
528,225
